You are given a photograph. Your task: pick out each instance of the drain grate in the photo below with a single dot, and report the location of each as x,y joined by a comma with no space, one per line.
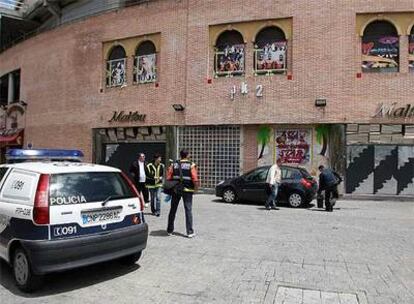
290,295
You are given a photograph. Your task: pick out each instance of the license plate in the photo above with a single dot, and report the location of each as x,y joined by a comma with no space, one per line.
101,216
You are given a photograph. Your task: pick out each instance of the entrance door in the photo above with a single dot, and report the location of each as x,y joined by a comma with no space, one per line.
123,154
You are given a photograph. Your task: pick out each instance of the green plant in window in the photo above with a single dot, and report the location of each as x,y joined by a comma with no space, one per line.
263,138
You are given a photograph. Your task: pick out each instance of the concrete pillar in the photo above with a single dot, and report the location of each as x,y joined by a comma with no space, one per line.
403,54
10,93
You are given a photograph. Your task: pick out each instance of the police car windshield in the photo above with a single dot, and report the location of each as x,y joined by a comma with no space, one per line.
86,187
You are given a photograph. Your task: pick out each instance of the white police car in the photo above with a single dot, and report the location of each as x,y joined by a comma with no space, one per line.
56,216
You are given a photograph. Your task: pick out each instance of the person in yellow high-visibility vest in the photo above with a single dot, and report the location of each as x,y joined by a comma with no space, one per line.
155,173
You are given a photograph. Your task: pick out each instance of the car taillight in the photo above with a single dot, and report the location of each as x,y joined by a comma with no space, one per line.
134,190
307,184
41,202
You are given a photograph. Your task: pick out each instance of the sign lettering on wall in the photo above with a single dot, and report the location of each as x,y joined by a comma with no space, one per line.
394,111
124,117
244,90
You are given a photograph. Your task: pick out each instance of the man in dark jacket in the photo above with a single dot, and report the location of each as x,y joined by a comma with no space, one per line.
155,174
328,181
185,171
137,171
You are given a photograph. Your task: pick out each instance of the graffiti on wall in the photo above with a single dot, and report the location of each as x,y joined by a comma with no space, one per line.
293,146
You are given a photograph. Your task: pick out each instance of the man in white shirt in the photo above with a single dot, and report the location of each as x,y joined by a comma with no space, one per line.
137,171
274,177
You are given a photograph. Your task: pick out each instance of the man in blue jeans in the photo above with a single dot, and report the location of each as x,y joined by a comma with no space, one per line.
273,180
185,171
154,173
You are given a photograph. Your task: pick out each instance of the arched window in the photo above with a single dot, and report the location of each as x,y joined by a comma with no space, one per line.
145,66
380,47
115,65
229,56
411,50
270,51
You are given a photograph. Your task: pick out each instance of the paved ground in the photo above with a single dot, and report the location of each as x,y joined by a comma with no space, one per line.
363,252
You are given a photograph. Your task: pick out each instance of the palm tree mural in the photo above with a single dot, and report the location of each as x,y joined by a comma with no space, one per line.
264,136
322,134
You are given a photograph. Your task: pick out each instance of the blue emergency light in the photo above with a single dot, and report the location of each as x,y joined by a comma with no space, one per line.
22,155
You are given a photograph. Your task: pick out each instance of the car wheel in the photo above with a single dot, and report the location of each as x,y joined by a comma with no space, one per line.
130,259
295,200
229,195
22,271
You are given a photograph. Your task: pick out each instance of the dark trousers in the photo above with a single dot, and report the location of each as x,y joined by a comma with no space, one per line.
188,204
330,192
144,190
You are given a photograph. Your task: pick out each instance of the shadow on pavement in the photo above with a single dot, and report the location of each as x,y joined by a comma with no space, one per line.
67,281
158,233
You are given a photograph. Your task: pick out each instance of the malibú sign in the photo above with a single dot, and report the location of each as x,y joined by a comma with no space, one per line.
394,111
127,117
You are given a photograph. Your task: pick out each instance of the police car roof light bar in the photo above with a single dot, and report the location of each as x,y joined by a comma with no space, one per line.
18,155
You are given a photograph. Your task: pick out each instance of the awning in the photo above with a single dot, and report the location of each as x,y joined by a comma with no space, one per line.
11,137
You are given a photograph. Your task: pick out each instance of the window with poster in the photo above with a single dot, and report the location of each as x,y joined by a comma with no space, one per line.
270,51
145,63
116,67
293,146
380,47
229,54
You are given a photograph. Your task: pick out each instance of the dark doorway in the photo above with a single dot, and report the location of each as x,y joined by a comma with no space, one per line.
122,155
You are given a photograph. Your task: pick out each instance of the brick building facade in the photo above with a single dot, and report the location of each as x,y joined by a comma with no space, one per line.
321,100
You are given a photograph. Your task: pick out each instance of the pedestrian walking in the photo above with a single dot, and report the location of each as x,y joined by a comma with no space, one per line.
328,182
185,172
154,174
273,180
137,171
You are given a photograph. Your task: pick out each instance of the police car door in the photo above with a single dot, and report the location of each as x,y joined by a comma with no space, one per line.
91,202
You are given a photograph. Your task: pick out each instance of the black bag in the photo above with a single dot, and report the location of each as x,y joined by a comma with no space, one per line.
171,187
319,200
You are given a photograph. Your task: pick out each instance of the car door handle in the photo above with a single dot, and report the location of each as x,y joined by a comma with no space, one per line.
66,213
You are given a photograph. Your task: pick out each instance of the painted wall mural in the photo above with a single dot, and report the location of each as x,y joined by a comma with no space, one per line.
293,146
264,137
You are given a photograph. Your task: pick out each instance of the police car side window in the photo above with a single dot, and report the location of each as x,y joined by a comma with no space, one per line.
3,171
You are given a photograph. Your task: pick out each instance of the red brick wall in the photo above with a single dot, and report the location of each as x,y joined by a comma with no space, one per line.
61,70
249,148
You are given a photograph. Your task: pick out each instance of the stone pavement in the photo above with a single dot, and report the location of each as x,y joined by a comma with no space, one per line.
363,252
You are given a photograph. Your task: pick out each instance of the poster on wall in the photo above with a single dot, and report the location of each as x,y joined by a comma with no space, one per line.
411,53
230,59
271,57
380,53
146,71
293,146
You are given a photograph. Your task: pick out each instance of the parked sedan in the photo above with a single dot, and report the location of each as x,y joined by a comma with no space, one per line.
298,187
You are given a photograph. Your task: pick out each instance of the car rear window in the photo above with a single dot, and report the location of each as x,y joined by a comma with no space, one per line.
305,173
86,187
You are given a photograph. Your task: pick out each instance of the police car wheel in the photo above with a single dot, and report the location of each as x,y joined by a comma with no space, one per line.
295,200
229,196
23,275
130,259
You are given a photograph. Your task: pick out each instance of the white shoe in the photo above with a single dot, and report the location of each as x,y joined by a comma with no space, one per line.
146,205
191,235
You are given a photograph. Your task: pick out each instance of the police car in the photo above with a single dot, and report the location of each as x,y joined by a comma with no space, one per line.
59,215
